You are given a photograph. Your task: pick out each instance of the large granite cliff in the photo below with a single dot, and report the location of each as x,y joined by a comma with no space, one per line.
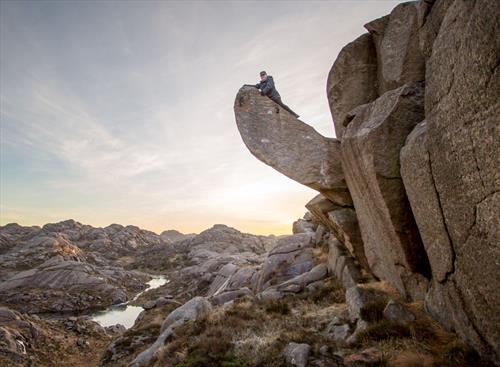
409,188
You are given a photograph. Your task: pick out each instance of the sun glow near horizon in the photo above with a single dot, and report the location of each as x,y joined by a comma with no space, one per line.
124,114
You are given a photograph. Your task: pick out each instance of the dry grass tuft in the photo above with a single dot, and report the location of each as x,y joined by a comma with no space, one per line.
373,311
280,307
412,359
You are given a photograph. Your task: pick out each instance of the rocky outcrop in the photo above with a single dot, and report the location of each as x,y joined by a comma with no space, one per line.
173,236
29,341
370,157
296,354
419,185
300,282
68,266
191,310
291,257
399,58
303,226
415,106
343,224
460,185
342,265
352,81
59,285
430,17
219,259
111,242
287,144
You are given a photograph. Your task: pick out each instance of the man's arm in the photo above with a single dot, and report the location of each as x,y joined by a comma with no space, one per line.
257,85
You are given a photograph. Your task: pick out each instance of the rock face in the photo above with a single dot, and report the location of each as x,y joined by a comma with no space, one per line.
431,15
291,257
287,144
370,157
296,354
345,227
419,185
352,81
462,108
397,312
421,164
342,265
400,60
343,223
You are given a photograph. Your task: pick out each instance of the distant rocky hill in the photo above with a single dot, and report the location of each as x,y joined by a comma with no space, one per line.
68,266
415,105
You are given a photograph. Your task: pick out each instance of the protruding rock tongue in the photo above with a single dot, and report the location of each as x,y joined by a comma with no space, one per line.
287,144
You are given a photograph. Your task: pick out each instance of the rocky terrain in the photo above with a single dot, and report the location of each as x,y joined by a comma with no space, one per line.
414,102
394,263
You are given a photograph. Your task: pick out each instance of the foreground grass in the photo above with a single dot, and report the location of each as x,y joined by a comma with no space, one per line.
254,333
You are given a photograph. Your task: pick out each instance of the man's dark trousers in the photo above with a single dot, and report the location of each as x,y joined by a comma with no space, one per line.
285,107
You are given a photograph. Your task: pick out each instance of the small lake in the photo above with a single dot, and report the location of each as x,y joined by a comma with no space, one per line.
124,313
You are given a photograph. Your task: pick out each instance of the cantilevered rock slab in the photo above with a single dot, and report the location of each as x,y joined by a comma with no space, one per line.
287,144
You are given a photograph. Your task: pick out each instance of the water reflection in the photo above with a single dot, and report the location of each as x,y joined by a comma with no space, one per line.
126,314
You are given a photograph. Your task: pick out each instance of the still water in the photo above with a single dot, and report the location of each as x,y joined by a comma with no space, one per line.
124,313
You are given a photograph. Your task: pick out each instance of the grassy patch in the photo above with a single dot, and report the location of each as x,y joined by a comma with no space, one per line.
213,350
249,333
253,333
280,307
384,329
331,292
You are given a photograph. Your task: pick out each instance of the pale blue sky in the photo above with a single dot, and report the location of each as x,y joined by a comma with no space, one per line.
121,111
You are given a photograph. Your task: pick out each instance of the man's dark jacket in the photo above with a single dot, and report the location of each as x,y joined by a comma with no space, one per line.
267,88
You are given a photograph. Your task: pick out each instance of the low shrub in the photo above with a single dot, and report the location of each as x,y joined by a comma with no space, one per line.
373,311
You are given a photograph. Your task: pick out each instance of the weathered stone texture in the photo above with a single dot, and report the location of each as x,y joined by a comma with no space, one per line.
370,158
352,80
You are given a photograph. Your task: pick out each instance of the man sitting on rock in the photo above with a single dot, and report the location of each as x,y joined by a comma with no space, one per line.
267,88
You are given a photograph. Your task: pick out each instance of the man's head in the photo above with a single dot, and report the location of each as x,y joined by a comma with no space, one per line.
263,75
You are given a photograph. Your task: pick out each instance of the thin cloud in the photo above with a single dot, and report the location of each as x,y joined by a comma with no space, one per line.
122,112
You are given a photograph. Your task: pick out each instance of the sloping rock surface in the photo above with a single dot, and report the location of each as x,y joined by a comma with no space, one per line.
287,144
